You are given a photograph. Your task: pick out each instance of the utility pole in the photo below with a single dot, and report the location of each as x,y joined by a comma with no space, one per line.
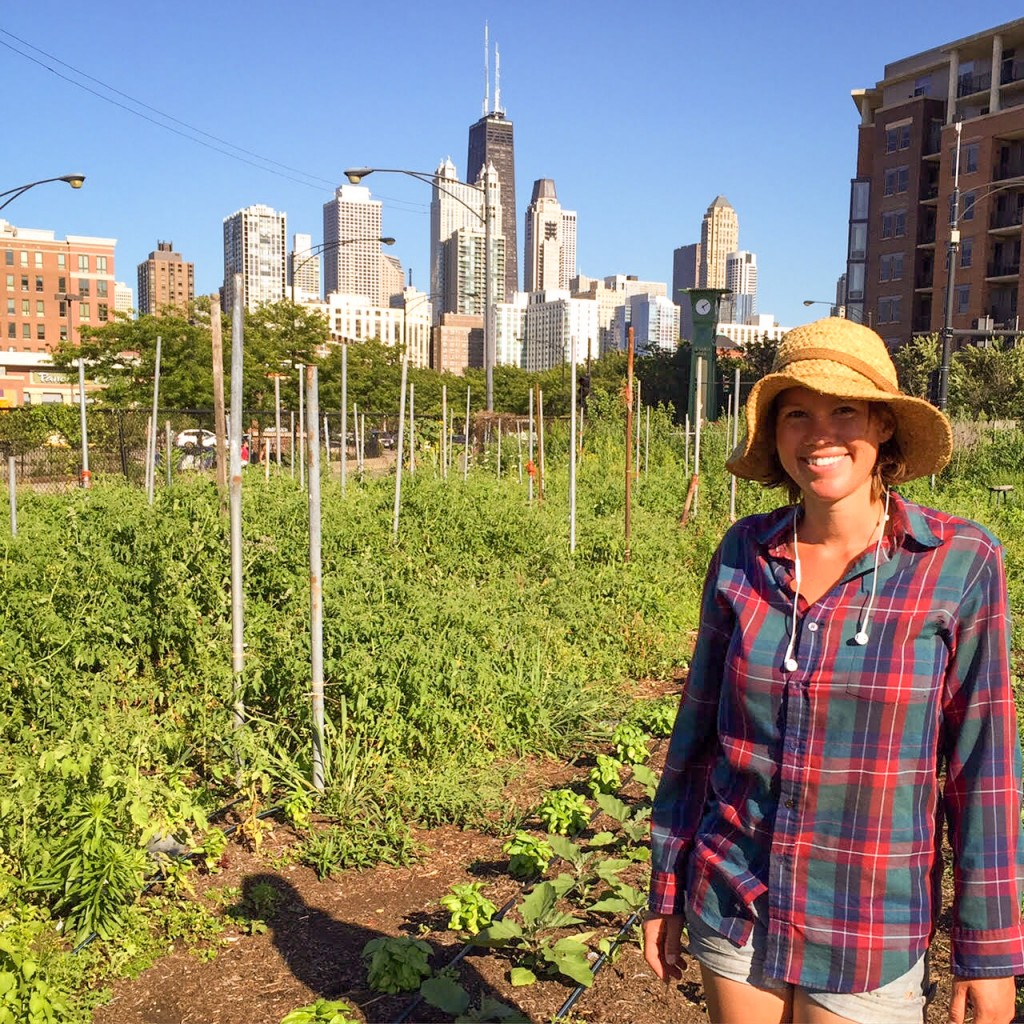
951,253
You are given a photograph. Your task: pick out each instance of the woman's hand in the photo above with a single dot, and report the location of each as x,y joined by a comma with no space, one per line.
991,1000
663,945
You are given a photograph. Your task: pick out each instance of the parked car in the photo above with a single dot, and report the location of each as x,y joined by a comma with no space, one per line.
195,439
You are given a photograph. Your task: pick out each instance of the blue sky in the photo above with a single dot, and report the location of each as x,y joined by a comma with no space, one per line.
642,113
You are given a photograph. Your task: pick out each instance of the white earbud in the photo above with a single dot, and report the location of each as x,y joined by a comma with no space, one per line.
860,638
790,665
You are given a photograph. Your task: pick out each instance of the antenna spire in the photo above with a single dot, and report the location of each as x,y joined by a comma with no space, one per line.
487,72
497,80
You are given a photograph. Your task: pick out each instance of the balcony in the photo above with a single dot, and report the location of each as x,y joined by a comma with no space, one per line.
1011,71
932,144
999,269
926,234
1011,218
969,85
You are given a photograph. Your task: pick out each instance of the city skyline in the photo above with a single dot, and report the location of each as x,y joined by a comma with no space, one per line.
786,162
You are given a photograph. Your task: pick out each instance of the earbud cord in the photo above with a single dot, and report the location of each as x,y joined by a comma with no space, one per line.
861,636
789,663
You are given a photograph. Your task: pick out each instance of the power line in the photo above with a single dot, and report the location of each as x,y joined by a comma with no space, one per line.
232,152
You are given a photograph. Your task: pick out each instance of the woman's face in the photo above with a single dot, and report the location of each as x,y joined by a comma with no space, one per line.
828,445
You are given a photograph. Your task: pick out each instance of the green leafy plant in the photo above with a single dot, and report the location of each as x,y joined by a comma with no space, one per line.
448,995
396,965
605,776
634,825
656,716
27,996
470,910
93,875
564,812
534,944
528,855
646,778
630,743
323,1011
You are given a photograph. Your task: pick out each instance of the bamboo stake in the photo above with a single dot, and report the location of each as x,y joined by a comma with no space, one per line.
235,434
629,443
465,460
572,454
444,432
531,468
540,441
401,438
316,610
219,422
344,416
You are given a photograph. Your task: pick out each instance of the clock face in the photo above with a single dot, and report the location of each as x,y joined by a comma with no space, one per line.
703,307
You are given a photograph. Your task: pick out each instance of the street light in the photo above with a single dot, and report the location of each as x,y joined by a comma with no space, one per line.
74,180
356,175
845,312
318,250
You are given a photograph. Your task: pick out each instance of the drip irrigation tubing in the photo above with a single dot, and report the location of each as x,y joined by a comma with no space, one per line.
598,964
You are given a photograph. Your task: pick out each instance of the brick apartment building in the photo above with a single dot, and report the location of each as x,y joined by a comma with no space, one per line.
165,280
901,196
49,288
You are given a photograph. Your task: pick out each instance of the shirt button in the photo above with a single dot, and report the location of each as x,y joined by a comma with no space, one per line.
812,626
789,805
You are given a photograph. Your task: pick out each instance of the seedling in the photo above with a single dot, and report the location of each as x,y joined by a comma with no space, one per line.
528,855
604,776
396,965
470,910
564,812
630,743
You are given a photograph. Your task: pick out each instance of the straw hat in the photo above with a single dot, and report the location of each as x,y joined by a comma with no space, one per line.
842,358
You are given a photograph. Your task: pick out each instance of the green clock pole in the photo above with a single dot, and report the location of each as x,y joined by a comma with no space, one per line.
704,302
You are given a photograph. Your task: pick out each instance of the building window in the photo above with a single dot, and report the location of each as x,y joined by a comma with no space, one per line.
9,257
26,332
894,224
10,307
25,308
39,259
897,138
83,286
890,267
40,332
63,334
889,309
896,181
62,284
83,263
10,282
84,312
967,204
101,264
963,298
101,289
40,307
971,153
23,257
24,282
12,330
61,261
967,252
39,283
102,311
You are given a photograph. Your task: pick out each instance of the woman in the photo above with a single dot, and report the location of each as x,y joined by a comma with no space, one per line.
849,694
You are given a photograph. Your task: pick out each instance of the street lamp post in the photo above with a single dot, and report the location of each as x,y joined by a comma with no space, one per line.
319,250
845,312
74,180
356,174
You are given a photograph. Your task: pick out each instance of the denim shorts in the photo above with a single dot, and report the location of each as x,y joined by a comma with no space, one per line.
899,1002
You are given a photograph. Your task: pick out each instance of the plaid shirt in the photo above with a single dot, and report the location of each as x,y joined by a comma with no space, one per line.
820,790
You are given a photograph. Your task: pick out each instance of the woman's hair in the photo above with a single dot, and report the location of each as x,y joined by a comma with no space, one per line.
890,465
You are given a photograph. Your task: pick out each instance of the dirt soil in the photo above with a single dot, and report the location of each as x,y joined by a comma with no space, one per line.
313,943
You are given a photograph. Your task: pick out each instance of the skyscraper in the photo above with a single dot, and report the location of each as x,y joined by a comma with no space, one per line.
549,246
719,236
255,240
741,279
686,264
352,256
304,269
165,279
457,241
490,142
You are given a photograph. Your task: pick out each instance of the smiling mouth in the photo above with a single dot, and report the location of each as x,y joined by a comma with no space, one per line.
824,460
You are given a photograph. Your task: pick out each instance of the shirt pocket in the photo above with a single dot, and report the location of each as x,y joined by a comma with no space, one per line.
903,661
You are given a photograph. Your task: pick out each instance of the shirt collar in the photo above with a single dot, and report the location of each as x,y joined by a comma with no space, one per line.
908,520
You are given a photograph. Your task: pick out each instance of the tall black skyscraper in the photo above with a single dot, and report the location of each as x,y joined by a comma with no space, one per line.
490,140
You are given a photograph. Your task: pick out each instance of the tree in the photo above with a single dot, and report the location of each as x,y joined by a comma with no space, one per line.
917,362
758,357
121,355
986,381
278,337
